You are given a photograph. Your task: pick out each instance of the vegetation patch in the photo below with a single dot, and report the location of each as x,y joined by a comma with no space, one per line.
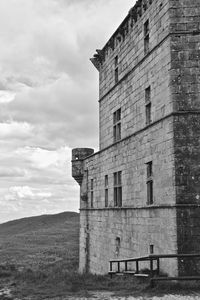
39,260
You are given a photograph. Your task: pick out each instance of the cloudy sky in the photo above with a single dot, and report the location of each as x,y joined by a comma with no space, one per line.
48,97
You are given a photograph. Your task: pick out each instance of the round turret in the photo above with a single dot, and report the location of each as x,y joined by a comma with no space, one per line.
78,156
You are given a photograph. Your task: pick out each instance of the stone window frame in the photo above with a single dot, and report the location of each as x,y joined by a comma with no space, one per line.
117,192
146,37
106,190
92,192
117,125
149,183
148,105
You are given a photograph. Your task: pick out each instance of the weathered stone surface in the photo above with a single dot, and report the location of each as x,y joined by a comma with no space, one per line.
171,141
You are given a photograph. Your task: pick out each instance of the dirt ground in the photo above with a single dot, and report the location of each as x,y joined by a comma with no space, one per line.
109,296
6,294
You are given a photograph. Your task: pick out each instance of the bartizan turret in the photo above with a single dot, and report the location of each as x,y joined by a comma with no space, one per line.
78,156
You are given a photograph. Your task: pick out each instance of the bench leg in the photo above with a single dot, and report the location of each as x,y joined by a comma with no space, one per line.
152,284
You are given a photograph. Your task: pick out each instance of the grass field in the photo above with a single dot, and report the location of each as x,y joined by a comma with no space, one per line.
39,260
41,241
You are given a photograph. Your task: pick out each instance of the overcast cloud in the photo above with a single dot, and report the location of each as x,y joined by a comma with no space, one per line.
48,97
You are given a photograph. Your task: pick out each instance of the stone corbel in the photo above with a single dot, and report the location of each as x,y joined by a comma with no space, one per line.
145,5
126,28
139,11
122,32
111,43
100,53
133,15
119,38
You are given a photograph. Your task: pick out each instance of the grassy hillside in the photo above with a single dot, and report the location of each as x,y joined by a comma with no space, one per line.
39,260
41,241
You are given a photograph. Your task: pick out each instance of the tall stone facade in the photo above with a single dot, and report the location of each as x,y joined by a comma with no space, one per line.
140,193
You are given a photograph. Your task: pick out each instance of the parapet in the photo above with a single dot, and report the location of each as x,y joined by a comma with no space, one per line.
135,13
78,156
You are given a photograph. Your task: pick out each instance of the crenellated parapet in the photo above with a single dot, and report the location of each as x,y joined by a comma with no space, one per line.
78,156
135,13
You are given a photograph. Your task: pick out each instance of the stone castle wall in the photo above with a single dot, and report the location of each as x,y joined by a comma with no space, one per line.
136,228
185,90
136,224
171,142
137,71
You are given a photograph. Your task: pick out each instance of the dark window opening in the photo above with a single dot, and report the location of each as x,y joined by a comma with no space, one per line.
116,75
148,95
92,193
148,114
116,70
149,183
117,245
149,169
106,190
117,125
148,105
118,189
150,192
146,36
151,249
116,61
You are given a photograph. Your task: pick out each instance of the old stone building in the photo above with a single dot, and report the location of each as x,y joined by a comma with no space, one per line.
140,193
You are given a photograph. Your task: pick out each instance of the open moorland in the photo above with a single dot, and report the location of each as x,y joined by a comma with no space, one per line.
39,260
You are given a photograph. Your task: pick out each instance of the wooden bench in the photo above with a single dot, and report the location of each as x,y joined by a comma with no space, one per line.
154,274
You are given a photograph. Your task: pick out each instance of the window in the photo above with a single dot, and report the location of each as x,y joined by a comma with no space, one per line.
117,125
116,70
106,190
146,37
151,249
148,105
149,183
117,245
92,193
118,189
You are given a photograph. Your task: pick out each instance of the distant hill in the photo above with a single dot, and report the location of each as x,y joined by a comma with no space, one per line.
37,223
41,240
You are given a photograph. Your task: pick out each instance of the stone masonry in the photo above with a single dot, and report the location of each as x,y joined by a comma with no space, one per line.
149,116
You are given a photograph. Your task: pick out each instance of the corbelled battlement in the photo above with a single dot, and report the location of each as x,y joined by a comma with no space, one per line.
135,13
